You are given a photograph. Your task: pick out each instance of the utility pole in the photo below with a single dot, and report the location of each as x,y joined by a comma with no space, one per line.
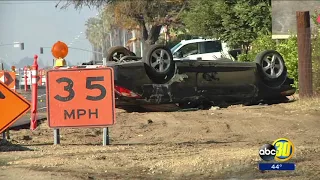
134,47
110,35
1,64
103,46
304,53
124,32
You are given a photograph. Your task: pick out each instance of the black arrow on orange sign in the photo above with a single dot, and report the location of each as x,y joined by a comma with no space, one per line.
7,78
2,95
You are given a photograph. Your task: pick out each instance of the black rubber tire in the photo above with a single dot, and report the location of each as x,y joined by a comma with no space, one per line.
154,75
271,82
118,49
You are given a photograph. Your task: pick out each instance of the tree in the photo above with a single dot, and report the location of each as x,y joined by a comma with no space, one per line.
95,33
236,22
149,15
78,4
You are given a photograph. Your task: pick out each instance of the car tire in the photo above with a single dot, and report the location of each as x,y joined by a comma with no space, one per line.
271,68
159,70
120,51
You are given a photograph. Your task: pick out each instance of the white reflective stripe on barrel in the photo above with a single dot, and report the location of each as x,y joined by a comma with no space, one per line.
34,76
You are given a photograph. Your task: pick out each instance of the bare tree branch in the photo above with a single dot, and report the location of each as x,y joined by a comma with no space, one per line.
79,4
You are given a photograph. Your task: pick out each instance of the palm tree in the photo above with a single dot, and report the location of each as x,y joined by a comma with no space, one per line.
98,29
94,33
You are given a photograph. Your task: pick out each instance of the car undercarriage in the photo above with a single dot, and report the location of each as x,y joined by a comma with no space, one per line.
156,82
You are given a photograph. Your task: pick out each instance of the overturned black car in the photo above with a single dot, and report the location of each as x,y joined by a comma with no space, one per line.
157,82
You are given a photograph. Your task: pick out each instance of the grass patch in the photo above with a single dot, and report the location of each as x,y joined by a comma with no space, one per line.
312,103
3,162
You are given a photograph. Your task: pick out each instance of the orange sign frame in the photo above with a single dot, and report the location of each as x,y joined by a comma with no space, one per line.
80,97
12,107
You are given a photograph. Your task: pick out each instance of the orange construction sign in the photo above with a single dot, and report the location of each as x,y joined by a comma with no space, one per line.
12,107
80,97
9,79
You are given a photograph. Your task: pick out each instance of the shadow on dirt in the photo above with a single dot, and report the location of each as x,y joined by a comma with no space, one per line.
187,143
191,106
27,126
39,144
126,173
6,146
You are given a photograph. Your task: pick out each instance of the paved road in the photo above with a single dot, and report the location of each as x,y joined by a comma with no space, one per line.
41,98
42,109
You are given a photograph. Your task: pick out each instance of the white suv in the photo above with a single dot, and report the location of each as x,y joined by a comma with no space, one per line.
200,49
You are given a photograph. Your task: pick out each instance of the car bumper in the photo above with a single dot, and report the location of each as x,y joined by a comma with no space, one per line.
288,92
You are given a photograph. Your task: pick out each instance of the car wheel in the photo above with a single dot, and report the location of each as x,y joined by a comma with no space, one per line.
159,64
271,68
117,52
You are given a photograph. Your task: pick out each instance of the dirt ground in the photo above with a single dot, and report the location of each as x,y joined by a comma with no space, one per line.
205,144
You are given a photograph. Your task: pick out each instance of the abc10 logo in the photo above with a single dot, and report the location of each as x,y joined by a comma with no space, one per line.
280,150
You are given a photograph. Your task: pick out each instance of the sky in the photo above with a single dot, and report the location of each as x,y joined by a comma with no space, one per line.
40,24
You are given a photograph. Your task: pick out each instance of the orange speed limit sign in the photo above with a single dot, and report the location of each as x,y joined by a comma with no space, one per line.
80,97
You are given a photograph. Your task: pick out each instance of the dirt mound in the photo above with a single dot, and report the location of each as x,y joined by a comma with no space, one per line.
206,144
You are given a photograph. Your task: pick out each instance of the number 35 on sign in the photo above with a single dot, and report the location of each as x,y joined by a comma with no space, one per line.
80,97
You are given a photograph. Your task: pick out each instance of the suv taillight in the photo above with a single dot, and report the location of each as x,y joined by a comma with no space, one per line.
125,92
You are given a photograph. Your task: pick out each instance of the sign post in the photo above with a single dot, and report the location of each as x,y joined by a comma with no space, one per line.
105,136
20,74
4,135
56,136
25,78
12,107
80,98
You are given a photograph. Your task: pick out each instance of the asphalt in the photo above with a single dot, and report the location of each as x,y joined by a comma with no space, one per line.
24,121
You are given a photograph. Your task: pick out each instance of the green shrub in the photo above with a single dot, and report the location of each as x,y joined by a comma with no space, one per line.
316,52
316,63
263,42
287,48
289,51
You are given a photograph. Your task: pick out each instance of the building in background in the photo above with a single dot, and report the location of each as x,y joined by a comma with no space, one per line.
284,16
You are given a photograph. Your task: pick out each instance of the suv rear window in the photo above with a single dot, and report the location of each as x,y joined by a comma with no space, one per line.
212,46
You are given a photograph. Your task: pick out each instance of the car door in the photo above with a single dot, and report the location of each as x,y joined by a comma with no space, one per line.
210,50
189,51
225,78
